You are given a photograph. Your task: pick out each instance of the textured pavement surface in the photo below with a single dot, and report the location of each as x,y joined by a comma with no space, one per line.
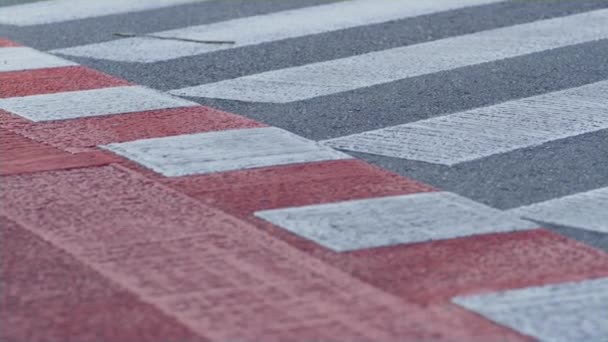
478,213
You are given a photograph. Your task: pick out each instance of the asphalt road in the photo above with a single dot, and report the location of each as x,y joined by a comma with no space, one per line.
508,180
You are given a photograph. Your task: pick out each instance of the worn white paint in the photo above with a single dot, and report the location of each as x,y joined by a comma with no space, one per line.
54,11
340,75
86,103
264,28
385,221
567,312
223,151
482,132
24,58
585,210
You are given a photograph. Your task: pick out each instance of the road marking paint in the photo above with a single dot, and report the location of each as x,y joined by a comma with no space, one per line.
264,28
482,132
563,312
218,275
54,80
55,11
64,290
243,192
86,103
24,58
585,210
223,151
23,155
7,43
344,74
385,221
437,271
85,134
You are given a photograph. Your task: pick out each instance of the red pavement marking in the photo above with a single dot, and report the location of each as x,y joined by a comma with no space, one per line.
7,43
84,134
243,192
20,154
222,277
425,272
47,295
437,271
54,80
217,275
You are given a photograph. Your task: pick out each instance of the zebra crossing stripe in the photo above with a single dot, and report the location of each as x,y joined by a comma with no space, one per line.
585,210
482,132
16,58
564,312
86,103
223,151
386,221
263,28
55,11
344,74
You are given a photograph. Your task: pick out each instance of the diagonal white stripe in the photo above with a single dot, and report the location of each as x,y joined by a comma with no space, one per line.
552,313
86,103
223,151
54,11
585,210
330,77
24,58
264,28
486,131
385,221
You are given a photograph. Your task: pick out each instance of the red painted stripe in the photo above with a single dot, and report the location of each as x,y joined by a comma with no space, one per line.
54,80
47,295
20,154
243,192
84,134
427,272
436,271
216,274
7,43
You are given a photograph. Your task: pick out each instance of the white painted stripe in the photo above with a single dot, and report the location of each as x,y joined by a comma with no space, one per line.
85,103
368,223
265,28
486,131
54,11
566,312
585,210
330,77
24,58
223,151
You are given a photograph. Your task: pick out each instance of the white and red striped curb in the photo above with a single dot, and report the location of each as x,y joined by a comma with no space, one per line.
217,227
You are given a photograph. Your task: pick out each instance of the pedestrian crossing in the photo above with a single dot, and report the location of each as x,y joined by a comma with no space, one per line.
57,11
445,139
194,164
260,29
341,75
481,132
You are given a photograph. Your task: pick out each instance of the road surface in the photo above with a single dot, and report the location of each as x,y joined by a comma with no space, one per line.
305,170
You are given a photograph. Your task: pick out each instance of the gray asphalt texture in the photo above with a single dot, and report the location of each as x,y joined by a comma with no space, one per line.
503,181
